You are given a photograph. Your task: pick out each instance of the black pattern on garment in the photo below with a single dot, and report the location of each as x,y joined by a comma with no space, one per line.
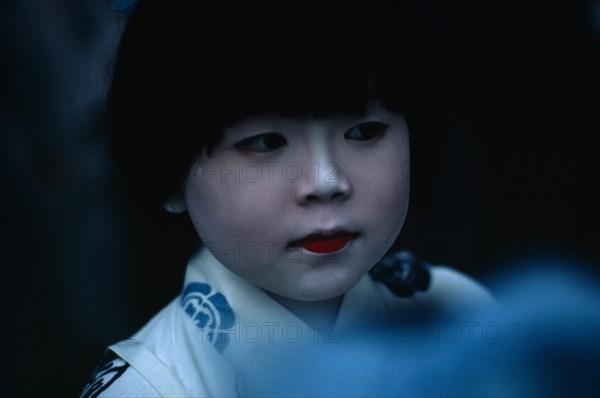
109,370
403,273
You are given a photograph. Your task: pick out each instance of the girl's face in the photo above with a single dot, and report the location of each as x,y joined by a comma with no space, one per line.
302,208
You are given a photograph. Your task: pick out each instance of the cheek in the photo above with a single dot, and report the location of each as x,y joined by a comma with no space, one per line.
397,175
384,189
390,197
225,210
386,176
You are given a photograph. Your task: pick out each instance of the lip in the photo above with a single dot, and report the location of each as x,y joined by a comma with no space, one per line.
323,242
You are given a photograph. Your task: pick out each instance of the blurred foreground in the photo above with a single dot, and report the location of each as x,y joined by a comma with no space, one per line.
542,341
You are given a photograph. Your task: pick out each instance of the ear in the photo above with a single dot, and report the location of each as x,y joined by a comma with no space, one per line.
175,204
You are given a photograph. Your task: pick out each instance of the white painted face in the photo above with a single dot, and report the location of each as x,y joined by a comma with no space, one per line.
272,181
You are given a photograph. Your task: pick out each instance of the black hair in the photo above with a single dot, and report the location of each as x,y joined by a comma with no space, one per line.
187,69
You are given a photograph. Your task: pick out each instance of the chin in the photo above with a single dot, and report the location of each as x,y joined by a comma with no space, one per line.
325,292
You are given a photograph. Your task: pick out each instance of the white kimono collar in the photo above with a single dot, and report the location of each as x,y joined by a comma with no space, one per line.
231,310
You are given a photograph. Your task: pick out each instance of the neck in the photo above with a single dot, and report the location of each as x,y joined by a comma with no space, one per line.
316,314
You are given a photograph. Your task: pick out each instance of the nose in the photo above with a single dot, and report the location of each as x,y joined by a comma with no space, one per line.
323,183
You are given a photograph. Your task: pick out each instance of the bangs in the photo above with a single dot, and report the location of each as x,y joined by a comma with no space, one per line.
187,70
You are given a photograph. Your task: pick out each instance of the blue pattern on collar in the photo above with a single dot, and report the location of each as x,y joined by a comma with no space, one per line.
210,311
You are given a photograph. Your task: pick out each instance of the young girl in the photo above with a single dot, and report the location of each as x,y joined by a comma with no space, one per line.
280,130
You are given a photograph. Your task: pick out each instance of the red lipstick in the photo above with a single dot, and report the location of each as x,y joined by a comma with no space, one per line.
325,243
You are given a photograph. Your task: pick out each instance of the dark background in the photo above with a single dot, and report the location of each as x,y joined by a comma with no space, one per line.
516,177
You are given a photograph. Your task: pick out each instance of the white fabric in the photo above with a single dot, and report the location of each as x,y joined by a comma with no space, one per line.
175,357
163,381
131,384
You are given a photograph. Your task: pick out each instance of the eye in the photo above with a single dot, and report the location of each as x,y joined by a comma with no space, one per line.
262,143
368,131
